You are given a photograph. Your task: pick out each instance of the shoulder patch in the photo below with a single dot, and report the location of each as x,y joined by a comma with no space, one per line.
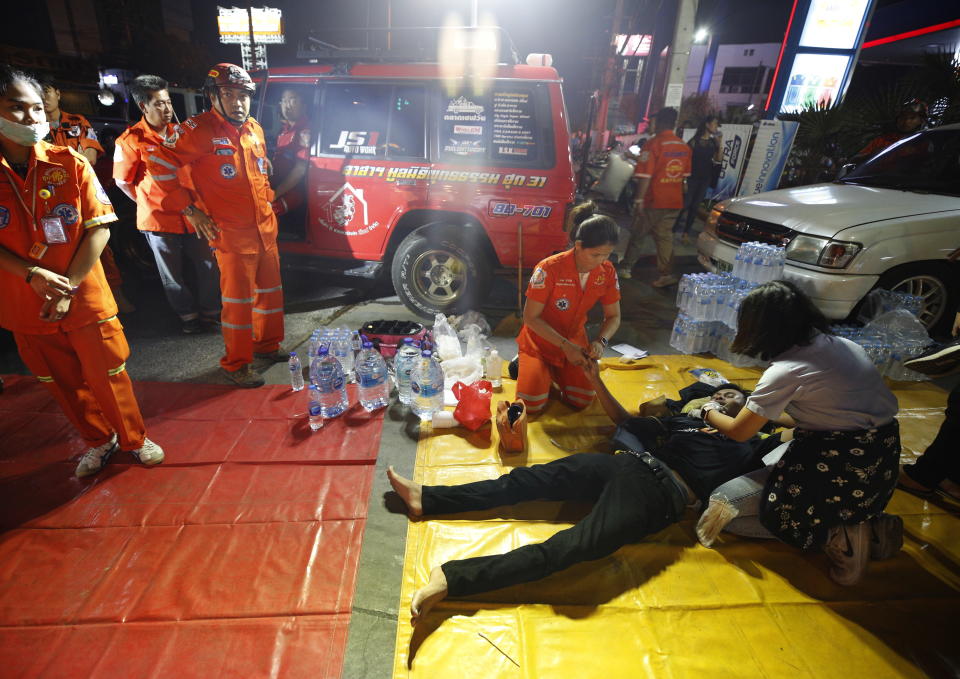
539,278
68,213
4,217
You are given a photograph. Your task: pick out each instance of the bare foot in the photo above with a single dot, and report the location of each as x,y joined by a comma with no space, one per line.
425,597
408,491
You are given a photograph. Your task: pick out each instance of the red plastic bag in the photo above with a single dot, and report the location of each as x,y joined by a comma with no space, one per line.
473,403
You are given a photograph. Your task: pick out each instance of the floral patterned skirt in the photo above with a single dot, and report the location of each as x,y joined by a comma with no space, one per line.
827,478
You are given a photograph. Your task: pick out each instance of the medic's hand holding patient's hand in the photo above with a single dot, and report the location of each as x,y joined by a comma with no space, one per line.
574,354
48,284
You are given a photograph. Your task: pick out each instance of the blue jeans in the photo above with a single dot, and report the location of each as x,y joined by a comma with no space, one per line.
744,493
170,250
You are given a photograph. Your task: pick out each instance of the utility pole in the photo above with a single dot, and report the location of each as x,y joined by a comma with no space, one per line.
680,51
609,72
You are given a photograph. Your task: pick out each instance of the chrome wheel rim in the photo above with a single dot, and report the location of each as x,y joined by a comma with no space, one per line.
439,276
933,293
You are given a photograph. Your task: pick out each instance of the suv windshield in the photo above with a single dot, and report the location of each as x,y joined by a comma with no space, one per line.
927,162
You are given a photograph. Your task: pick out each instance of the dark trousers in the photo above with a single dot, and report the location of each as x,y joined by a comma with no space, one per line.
629,504
697,188
940,461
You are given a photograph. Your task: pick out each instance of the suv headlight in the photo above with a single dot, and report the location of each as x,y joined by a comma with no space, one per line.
832,254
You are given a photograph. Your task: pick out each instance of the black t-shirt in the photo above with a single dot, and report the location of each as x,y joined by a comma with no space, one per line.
701,163
704,460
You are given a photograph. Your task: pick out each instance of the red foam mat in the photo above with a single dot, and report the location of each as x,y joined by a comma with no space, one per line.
236,557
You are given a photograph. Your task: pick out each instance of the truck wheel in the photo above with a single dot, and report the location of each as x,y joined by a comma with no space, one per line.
440,271
935,283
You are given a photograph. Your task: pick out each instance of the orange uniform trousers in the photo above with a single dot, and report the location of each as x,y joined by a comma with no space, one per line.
252,294
536,375
95,392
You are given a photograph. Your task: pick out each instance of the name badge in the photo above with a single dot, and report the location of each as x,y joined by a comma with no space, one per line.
38,250
53,231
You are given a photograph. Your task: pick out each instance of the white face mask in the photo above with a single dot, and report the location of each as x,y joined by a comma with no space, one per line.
25,135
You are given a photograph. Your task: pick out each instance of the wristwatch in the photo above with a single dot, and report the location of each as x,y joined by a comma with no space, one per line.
603,340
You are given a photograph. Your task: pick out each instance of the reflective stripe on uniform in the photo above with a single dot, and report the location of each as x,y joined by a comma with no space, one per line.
533,399
161,161
262,290
102,219
585,392
107,320
268,311
44,378
578,400
238,300
117,370
163,177
234,326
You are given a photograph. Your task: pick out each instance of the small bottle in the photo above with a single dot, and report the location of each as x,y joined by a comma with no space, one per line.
314,409
494,369
296,372
426,386
372,384
403,364
331,384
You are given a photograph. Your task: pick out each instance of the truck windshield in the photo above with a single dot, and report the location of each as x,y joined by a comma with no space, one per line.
928,162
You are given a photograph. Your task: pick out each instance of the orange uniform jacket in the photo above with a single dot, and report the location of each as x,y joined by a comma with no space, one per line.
76,132
555,283
229,170
74,191
666,160
130,156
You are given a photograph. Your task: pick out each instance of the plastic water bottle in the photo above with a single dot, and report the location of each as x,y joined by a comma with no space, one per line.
372,378
403,365
296,372
342,348
330,382
493,369
314,408
426,386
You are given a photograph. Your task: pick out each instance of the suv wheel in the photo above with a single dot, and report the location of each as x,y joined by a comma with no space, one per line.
439,270
934,283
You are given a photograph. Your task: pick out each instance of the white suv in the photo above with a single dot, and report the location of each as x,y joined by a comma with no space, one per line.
891,223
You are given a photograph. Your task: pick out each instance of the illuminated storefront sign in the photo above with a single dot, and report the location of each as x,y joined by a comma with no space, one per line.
234,25
834,24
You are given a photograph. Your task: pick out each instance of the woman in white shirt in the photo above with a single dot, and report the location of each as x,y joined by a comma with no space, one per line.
830,487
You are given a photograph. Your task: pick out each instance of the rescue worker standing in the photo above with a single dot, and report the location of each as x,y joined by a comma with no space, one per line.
53,226
168,234
75,131
912,116
662,167
229,205
553,344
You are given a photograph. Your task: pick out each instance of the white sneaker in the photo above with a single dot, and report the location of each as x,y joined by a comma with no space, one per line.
624,272
149,453
849,550
96,458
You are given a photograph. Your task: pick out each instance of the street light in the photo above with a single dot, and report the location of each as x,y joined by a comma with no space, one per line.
701,35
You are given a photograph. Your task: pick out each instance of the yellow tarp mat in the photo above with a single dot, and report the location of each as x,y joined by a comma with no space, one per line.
668,607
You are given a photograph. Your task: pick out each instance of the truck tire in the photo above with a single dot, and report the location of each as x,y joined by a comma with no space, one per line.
935,282
440,270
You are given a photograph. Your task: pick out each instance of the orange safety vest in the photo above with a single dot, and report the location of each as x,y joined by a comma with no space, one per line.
76,132
666,160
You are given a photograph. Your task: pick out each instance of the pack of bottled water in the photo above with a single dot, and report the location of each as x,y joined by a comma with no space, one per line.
888,351
341,342
693,336
759,262
712,297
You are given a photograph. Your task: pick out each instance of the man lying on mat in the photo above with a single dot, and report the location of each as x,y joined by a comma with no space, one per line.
634,493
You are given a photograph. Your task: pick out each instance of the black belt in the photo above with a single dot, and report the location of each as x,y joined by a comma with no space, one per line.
667,479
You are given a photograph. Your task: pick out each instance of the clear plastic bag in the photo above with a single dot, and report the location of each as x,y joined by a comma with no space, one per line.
445,339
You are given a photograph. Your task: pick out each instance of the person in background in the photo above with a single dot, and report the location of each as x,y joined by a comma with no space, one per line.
706,147
53,225
662,167
553,345
910,118
229,205
75,131
938,469
171,238
292,155
829,489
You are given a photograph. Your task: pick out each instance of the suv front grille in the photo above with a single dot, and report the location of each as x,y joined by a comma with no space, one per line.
735,229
